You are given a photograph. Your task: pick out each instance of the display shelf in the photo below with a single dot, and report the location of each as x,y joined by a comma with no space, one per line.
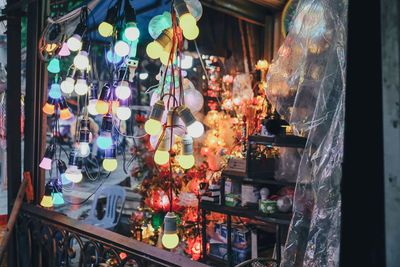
282,141
265,179
277,218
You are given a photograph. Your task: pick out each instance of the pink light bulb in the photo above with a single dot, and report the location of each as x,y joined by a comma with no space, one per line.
64,52
45,164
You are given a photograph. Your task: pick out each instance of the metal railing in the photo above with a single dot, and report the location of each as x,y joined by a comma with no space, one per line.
48,238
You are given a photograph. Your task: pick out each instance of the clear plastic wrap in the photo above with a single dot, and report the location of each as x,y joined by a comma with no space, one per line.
306,84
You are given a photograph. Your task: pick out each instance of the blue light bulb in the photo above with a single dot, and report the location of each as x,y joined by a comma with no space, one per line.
55,91
64,180
113,57
104,142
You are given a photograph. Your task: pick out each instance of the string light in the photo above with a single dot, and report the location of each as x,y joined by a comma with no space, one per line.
67,86
110,163
170,237
48,158
73,172
153,125
75,41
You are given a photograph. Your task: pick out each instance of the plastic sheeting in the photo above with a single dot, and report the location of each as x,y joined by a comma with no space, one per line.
306,84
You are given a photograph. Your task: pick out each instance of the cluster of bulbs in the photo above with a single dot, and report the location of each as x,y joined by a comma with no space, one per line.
160,28
194,130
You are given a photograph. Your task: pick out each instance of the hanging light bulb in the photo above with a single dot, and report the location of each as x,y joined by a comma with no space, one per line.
55,91
83,148
106,28
163,43
49,107
186,20
81,60
104,141
110,162
81,87
194,128
68,85
73,172
113,57
186,158
48,158
92,100
62,167
47,200
153,124
131,32
102,104
161,156
65,114
75,41
64,52
121,48
123,91
57,193
54,65
123,111
170,237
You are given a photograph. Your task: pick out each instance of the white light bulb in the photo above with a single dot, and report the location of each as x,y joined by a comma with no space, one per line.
195,129
67,86
143,76
121,48
84,149
187,62
132,33
123,113
81,87
81,61
73,174
74,42
123,91
92,107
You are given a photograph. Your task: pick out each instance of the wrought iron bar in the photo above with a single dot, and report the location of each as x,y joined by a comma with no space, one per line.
63,241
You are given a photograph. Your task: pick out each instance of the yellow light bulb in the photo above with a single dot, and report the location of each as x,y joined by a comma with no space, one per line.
170,241
105,29
110,164
187,21
154,50
102,107
161,157
152,127
47,201
186,161
191,33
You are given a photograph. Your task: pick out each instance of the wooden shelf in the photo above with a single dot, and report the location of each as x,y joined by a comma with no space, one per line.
282,141
278,218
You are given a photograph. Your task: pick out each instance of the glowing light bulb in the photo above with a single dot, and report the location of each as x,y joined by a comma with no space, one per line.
81,61
187,22
55,91
64,52
64,179
110,164
48,109
104,141
123,91
68,85
105,29
83,149
57,198
113,57
81,87
152,127
123,113
143,76
131,32
196,129
121,48
74,43
47,202
54,65
154,50
170,241
186,161
191,33
161,157
102,107
46,163
65,114
92,107
73,174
